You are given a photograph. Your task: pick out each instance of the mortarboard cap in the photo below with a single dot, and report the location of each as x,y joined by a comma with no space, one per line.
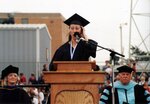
9,69
124,68
76,19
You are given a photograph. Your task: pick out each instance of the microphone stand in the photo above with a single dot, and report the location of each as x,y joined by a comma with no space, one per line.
112,58
112,51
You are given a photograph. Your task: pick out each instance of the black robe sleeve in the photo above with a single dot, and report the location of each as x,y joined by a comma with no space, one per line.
92,46
14,96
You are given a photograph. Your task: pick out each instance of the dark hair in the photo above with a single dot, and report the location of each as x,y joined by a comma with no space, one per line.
69,37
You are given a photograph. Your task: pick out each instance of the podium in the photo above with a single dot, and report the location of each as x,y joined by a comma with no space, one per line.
74,82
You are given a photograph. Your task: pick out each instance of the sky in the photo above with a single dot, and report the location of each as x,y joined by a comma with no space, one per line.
105,17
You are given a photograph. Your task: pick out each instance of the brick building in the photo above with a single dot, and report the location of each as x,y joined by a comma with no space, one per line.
54,22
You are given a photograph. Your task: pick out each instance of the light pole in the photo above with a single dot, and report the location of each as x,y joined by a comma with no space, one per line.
121,46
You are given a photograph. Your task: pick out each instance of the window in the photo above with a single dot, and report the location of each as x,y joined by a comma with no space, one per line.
24,21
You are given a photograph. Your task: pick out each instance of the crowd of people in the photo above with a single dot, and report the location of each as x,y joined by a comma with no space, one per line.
126,83
38,95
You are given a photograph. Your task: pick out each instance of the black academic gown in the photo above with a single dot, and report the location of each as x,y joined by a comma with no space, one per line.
82,52
13,95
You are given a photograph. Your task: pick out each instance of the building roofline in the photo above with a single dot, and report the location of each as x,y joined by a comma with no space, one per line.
21,14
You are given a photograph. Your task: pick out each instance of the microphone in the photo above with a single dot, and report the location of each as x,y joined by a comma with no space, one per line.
77,35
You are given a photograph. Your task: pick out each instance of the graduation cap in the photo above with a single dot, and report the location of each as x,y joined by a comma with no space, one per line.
124,68
76,19
9,69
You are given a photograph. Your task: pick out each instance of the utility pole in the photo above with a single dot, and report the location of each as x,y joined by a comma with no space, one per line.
121,46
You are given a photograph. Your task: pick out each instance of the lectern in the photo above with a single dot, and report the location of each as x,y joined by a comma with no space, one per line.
74,82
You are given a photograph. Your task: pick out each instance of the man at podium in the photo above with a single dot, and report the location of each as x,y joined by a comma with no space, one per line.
78,47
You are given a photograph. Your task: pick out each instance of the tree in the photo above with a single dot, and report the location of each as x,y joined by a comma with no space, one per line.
139,54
